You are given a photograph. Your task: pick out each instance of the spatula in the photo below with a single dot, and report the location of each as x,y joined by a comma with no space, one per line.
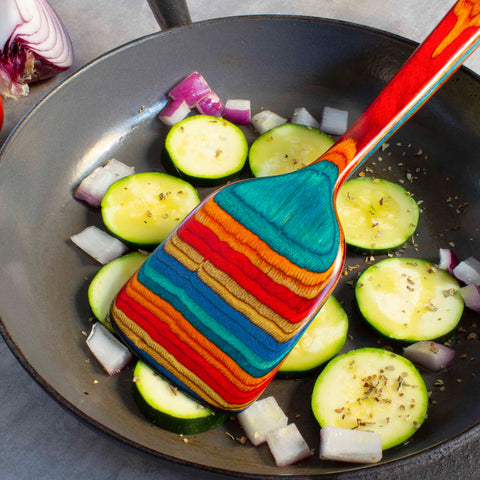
222,301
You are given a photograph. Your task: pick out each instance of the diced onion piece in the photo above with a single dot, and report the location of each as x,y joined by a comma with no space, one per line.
468,271
301,116
288,445
431,355
211,105
191,89
471,297
238,111
266,120
112,354
99,244
448,261
345,445
174,112
334,121
260,418
94,186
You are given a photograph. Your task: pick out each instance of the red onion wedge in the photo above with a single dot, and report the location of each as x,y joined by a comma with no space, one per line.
238,111
107,349
431,355
34,45
191,89
334,121
288,445
301,116
345,445
174,112
94,186
211,105
448,261
99,244
468,271
471,297
260,418
266,120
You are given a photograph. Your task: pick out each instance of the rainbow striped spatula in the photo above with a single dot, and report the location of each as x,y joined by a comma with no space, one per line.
221,302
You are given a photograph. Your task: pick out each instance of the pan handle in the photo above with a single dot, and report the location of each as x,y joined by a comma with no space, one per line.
170,13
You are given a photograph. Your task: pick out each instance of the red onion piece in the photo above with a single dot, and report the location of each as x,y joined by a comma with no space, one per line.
238,111
107,349
448,260
431,355
471,297
99,244
94,186
301,116
288,445
211,105
266,120
334,121
191,89
345,445
174,112
468,271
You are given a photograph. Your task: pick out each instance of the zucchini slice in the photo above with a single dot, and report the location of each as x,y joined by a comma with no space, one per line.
169,408
377,216
324,338
371,389
287,148
409,299
205,148
108,281
144,208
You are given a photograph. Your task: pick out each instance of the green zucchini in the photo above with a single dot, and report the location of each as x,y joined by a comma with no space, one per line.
206,149
169,408
371,389
324,338
144,208
108,281
377,216
286,148
409,299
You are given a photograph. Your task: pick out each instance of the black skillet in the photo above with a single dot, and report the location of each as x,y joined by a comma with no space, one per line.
106,110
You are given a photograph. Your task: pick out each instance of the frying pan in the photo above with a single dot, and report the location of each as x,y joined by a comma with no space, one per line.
43,296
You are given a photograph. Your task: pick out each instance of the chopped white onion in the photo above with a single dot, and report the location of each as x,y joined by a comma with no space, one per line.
99,244
94,186
288,445
301,116
448,261
238,111
431,355
266,120
174,112
191,89
211,105
471,297
334,121
112,354
345,445
260,418
468,271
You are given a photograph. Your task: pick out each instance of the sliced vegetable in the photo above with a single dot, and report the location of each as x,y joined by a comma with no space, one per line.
376,215
169,408
324,338
112,354
286,148
345,445
301,116
1,113
448,260
94,186
266,120
260,418
108,282
205,148
409,299
173,112
191,89
211,105
99,244
238,111
431,355
144,208
334,121
371,390
471,297
468,271
287,445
